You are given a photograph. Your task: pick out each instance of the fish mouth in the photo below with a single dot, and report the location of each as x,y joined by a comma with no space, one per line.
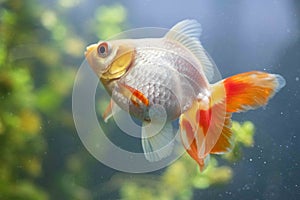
89,49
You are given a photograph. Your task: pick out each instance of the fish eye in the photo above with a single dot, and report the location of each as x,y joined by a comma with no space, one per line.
103,49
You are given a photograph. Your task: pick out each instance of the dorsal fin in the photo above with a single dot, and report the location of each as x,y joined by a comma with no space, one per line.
187,33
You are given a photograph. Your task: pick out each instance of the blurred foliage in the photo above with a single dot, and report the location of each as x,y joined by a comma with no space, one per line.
109,20
40,51
244,137
21,141
41,48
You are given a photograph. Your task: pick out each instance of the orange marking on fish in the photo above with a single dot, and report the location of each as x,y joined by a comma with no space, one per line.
188,130
135,102
225,141
204,118
135,96
192,148
141,97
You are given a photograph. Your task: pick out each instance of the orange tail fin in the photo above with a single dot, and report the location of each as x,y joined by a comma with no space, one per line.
206,126
251,90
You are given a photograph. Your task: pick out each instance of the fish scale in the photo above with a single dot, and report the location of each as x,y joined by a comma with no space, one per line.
159,88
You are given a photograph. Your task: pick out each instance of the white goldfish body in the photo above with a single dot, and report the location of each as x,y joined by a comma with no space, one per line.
174,73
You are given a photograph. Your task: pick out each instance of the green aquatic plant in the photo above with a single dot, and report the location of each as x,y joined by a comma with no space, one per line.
31,91
109,20
244,136
21,142
40,51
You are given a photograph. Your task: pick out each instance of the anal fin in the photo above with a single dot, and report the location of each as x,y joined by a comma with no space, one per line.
158,146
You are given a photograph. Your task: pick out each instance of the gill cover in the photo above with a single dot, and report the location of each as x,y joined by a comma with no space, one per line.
120,63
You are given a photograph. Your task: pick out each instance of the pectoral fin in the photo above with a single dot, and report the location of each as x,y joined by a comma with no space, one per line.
109,111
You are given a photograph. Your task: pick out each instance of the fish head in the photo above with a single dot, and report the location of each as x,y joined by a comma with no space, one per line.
110,59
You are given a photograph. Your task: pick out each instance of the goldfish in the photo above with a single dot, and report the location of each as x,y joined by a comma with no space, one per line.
175,74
